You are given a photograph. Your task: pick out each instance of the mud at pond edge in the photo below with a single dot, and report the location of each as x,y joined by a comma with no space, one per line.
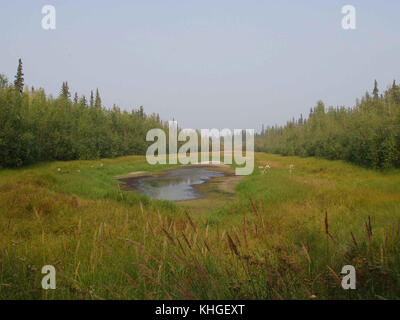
217,191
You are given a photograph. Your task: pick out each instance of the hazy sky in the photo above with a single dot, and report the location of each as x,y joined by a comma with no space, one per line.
219,63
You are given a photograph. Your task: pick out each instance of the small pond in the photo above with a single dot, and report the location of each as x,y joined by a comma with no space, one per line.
175,185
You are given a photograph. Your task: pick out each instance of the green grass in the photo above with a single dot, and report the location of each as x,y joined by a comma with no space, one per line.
269,242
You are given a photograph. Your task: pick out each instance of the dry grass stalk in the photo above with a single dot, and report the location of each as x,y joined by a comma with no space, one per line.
141,207
130,280
170,226
233,246
194,239
120,292
385,240
335,276
306,253
146,269
207,246
253,206
244,231
255,229
186,240
327,227
368,229
149,227
169,237
77,269
101,244
152,280
223,235
354,241
191,222
109,290
237,238
180,246
37,214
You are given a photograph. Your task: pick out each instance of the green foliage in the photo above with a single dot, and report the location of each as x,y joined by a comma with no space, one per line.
97,102
65,91
35,127
19,78
3,81
367,135
91,99
269,241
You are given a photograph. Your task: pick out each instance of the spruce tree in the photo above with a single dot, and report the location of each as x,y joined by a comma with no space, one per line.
65,90
301,121
76,98
98,100
91,99
376,90
67,93
19,78
141,112
83,101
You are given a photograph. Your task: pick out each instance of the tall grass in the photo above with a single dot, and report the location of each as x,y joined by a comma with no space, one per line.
286,236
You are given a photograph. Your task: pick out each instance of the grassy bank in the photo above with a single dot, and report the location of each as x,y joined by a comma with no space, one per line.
285,235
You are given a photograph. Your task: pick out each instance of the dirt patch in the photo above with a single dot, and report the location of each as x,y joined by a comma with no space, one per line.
218,192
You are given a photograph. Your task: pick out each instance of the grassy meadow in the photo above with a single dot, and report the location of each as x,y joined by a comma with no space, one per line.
283,235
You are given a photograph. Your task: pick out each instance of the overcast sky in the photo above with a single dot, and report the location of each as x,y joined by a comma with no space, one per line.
206,63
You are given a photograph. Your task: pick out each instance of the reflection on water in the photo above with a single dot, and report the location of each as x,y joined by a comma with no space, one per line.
176,184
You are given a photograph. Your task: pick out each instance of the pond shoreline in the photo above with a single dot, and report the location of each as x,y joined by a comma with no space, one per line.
139,174
132,182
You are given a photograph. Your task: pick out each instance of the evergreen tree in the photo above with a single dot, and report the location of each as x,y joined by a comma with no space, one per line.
83,101
141,112
65,90
19,78
375,92
91,99
34,127
76,98
98,100
367,134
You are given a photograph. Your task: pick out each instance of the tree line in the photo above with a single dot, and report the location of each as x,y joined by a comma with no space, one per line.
38,127
367,134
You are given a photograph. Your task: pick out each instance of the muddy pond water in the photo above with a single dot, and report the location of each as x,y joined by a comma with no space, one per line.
174,184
